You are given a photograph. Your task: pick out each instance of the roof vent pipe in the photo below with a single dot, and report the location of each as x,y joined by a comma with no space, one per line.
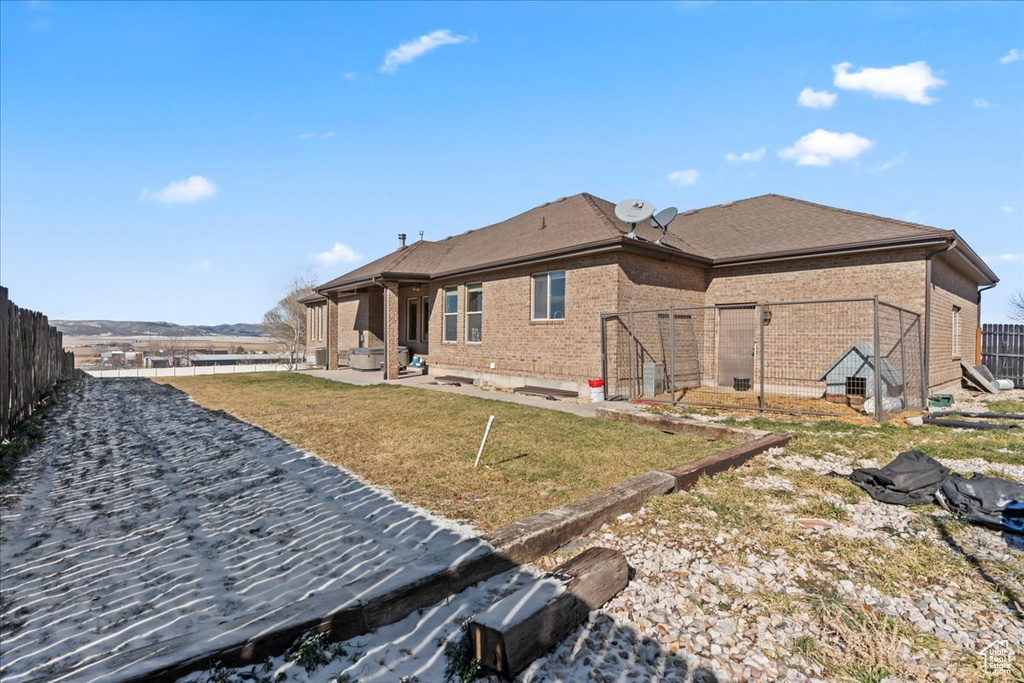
401,239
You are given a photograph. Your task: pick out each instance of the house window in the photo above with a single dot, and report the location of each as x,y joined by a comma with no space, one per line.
956,332
474,312
451,314
549,295
426,318
412,321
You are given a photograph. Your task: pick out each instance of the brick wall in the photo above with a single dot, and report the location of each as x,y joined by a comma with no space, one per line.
896,277
352,317
951,288
568,349
650,283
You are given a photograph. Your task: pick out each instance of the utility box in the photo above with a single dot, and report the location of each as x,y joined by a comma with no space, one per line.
653,379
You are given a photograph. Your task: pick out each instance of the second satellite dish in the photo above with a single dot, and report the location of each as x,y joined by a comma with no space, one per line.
633,210
664,217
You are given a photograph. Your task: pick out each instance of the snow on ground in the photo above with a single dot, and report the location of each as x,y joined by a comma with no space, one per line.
142,516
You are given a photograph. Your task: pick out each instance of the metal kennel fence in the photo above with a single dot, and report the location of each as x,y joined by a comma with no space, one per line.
826,357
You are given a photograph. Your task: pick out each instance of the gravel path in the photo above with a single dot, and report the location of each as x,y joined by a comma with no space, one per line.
142,516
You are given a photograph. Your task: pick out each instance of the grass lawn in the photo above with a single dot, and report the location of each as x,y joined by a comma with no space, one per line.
421,444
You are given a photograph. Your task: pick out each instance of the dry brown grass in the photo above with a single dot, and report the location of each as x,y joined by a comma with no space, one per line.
421,444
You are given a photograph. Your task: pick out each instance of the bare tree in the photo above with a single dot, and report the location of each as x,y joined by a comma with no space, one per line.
177,347
1017,306
286,322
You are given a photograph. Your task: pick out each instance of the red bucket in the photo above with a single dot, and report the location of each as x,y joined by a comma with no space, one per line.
595,383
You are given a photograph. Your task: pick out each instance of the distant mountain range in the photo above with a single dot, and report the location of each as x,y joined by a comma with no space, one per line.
131,328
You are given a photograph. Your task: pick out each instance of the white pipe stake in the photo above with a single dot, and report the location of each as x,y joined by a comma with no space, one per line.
484,442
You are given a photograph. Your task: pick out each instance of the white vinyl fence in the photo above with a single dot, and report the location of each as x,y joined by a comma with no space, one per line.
194,370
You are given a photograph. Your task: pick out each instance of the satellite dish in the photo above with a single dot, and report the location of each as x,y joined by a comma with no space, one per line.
662,219
634,210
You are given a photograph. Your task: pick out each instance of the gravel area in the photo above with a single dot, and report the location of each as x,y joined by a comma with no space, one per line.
709,602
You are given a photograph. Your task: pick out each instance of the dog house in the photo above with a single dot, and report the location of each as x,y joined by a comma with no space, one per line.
853,373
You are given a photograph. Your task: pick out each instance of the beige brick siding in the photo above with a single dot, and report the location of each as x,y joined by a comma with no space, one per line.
568,349
951,288
896,277
352,318
650,283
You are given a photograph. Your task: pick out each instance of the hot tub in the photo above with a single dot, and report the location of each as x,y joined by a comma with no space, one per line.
370,357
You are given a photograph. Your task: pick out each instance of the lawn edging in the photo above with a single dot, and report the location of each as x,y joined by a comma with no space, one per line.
681,425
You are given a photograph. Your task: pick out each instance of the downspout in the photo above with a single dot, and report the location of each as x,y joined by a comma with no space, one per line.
928,311
978,335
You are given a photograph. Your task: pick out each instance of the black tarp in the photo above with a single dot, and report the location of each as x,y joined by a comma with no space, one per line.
989,501
914,478
911,479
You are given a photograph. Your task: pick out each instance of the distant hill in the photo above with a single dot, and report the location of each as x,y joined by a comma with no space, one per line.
131,328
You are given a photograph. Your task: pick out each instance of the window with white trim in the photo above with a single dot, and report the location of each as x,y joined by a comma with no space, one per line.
956,332
549,296
451,314
412,320
474,312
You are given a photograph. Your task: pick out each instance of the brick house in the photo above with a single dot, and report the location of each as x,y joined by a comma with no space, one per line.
520,301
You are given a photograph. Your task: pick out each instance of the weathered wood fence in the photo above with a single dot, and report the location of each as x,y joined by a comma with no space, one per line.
32,359
1002,351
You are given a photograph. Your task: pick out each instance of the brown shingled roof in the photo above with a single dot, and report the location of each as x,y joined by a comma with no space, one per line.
768,226
773,225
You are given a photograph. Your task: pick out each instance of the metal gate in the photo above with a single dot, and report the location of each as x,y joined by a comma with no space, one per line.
818,357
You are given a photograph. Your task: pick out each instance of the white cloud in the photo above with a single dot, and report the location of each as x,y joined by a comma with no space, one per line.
318,136
1006,208
822,147
349,75
683,178
183,191
816,99
910,82
1010,57
981,103
339,253
414,49
745,157
203,266
892,163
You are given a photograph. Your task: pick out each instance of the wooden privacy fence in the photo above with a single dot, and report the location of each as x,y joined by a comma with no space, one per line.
32,359
1002,351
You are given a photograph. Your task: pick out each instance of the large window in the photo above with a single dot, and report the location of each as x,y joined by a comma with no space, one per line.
956,332
474,312
549,295
426,319
317,322
451,314
412,320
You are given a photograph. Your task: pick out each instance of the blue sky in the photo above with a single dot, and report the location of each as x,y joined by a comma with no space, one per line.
182,161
